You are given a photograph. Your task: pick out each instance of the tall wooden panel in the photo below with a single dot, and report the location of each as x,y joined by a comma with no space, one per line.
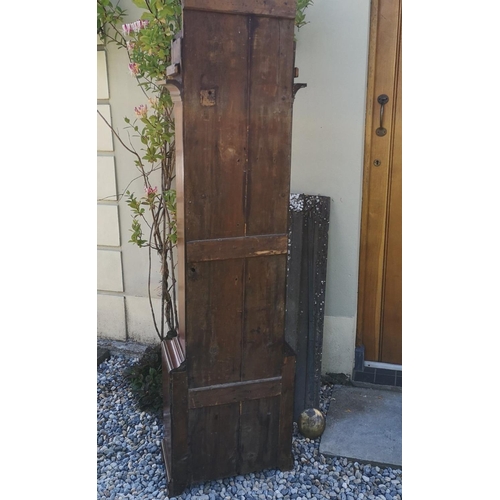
230,373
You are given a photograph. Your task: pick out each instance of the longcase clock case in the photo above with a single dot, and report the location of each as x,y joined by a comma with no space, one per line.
229,375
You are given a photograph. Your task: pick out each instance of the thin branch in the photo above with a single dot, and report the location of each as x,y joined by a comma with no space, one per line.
119,138
121,195
149,292
171,256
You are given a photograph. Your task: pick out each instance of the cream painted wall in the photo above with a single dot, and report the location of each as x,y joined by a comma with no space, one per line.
327,155
122,306
327,159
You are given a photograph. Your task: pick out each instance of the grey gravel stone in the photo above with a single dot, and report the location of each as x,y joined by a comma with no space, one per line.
130,465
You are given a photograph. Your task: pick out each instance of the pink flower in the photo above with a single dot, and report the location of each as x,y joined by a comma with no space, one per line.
141,111
140,24
130,45
150,190
135,26
133,68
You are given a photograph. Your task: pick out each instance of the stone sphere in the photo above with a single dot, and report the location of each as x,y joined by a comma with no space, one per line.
311,423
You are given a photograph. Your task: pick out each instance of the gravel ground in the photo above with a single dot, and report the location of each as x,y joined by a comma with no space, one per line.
130,465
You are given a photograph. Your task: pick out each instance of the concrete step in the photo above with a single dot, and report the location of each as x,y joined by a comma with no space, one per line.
128,349
364,425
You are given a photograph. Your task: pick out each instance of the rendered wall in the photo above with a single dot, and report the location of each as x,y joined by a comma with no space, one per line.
327,154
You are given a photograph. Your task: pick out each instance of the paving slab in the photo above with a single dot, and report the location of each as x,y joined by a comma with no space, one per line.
365,425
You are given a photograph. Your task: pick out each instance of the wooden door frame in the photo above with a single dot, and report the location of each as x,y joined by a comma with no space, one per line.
374,296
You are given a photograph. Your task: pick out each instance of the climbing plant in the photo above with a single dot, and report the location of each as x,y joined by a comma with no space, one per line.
147,42
300,16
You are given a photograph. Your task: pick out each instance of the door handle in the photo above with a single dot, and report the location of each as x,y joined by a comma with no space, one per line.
382,99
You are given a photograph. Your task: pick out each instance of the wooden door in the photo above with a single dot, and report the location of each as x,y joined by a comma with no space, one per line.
379,326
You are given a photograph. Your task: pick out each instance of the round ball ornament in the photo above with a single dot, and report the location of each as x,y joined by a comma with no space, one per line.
311,423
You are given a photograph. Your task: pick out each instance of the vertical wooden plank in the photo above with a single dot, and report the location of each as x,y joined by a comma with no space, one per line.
270,123
392,321
264,317
285,457
215,52
214,301
214,441
180,465
175,91
259,434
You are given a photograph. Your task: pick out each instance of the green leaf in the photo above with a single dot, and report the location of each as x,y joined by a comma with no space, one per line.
141,4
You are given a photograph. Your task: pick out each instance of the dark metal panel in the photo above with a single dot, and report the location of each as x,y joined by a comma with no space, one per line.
306,288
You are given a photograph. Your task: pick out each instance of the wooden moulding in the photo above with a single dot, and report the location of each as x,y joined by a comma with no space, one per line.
223,394
175,416
271,8
236,248
285,457
172,353
175,89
